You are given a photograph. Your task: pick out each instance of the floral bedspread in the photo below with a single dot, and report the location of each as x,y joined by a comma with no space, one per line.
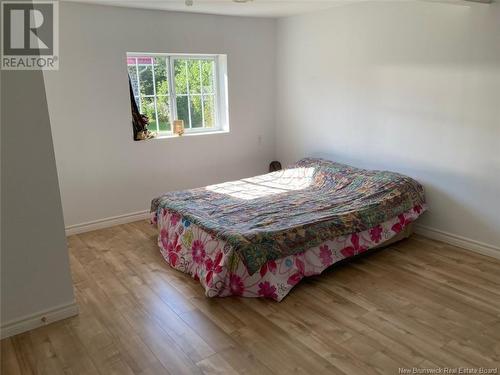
211,260
278,214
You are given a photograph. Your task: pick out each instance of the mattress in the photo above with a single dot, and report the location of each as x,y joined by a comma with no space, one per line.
215,263
259,237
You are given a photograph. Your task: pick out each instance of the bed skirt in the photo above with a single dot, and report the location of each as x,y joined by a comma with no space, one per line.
188,248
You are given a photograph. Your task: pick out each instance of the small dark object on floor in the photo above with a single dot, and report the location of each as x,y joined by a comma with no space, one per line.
275,166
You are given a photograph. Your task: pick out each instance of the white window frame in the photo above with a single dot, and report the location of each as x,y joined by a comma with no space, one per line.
220,91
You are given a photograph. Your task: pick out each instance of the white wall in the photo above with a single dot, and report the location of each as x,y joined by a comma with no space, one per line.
102,171
35,275
406,86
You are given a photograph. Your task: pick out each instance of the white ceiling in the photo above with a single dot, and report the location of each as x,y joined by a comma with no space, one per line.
257,8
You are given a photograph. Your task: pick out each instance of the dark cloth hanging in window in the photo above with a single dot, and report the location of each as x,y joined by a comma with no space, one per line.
139,122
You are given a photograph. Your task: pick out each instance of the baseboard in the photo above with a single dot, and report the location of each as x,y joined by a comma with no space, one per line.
459,241
27,323
106,223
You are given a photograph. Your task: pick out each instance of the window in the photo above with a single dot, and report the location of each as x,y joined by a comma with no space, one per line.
184,87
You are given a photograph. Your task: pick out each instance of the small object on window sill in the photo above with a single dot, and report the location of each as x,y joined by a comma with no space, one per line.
179,127
145,134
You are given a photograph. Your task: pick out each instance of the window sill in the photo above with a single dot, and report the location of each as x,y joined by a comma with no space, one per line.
169,136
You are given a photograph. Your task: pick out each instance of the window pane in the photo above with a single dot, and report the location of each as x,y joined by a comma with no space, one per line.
196,114
133,79
163,113
207,74
194,76
180,76
148,109
161,76
209,111
146,78
195,84
182,110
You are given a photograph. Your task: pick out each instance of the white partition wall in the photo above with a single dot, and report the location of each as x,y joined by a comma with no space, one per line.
36,284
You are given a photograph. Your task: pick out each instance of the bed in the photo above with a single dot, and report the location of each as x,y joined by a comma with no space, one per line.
258,237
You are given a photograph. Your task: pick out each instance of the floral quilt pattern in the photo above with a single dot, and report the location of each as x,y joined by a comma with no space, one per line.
274,216
221,272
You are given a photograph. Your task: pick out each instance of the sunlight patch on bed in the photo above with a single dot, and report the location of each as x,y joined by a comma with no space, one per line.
269,184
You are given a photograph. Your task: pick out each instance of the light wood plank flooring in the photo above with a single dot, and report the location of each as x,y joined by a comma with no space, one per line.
418,303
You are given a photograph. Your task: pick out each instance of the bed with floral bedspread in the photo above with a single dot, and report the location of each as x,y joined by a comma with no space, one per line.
258,237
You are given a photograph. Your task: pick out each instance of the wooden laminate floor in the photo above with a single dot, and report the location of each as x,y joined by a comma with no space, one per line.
418,303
